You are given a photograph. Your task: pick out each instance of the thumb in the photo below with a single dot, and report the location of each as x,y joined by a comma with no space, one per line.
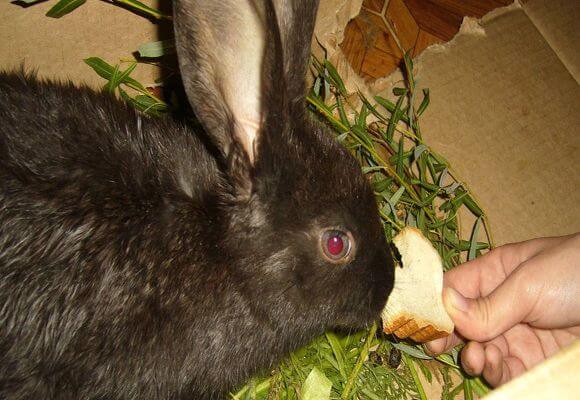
485,318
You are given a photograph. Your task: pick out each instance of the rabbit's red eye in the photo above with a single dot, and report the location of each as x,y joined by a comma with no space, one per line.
336,245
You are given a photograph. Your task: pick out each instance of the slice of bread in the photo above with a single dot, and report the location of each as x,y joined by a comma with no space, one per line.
415,307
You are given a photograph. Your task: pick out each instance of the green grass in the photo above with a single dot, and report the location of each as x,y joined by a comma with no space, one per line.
413,185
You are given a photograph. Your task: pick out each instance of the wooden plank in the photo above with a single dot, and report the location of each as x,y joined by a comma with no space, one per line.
434,19
352,45
470,8
374,5
403,22
424,40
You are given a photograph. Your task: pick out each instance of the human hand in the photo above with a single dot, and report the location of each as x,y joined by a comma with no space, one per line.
515,306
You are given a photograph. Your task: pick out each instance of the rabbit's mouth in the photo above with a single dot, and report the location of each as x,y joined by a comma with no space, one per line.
362,317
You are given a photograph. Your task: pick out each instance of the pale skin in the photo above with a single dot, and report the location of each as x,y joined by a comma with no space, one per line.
514,307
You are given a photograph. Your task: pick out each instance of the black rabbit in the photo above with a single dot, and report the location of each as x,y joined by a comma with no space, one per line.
136,263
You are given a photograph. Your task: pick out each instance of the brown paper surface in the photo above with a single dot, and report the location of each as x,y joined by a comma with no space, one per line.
559,23
504,111
56,47
504,107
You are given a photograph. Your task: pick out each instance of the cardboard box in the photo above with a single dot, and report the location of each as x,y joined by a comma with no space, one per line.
505,95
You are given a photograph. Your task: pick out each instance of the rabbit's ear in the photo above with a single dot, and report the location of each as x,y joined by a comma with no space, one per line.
220,46
296,20
242,61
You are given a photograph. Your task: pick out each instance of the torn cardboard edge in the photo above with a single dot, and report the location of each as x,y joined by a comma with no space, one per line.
331,23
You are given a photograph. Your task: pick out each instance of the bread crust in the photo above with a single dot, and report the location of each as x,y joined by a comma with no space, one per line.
420,321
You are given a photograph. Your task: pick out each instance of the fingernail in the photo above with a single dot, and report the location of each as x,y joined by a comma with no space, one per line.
468,370
430,347
455,299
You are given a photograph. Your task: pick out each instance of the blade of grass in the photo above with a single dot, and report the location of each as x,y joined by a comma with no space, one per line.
144,8
473,244
337,351
362,356
64,7
409,363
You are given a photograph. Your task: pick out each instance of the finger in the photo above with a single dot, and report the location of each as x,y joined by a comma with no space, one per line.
513,367
548,341
501,343
525,345
473,358
442,345
485,318
499,369
558,291
493,371
481,276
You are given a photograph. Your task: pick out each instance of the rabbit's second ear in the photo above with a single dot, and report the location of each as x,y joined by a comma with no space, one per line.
220,46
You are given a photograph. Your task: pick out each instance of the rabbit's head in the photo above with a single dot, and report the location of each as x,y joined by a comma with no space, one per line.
304,226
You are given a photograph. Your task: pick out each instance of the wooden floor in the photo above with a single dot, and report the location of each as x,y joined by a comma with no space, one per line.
373,52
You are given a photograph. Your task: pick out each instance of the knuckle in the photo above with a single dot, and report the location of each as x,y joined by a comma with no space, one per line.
485,316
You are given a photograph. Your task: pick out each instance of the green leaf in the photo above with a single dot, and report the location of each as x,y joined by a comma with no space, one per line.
464,245
105,70
418,384
63,7
467,391
426,202
390,106
337,351
447,359
479,387
472,206
473,246
442,177
397,91
342,112
411,220
426,372
409,69
395,117
137,5
424,103
316,386
317,85
336,79
426,185
452,188
372,109
380,185
114,81
396,197
361,119
421,221
400,157
148,104
342,137
30,1
455,354
251,389
362,135
412,351
156,49
419,150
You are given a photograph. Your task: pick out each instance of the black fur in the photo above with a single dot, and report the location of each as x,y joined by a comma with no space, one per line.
135,265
